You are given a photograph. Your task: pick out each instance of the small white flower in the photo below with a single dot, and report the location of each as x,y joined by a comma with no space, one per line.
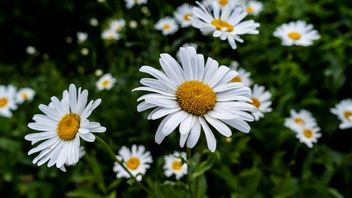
133,24
131,3
25,94
225,23
81,37
166,25
296,33
183,15
243,76
343,110
261,100
137,161
94,22
105,82
308,135
31,50
253,7
98,72
110,35
174,166
222,3
299,120
117,25
62,125
84,51
7,100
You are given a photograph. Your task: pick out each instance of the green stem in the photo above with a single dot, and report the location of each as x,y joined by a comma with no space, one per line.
120,162
214,46
190,168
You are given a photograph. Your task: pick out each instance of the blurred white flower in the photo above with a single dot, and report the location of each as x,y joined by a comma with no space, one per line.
131,3
166,25
94,22
174,166
7,100
61,127
133,24
183,15
84,51
253,7
117,25
137,161
222,3
343,110
299,120
308,135
110,35
297,33
105,82
243,76
81,37
24,94
31,50
98,72
261,100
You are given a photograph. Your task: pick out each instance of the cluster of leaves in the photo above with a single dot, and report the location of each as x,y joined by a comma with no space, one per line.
268,162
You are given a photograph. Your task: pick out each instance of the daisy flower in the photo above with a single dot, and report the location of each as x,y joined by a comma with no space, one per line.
296,33
261,100
81,151
105,82
62,125
131,3
299,120
308,135
24,94
110,35
344,112
224,23
117,25
81,37
221,3
183,15
166,25
253,7
242,77
137,161
193,94
7,100
174,166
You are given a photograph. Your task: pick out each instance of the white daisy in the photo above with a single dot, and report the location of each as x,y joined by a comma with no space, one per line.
222,3
193,95
183,15
137,161
344,112
81,37
261,100
7,100
296,33
308,135
131,3
174,166
242,77
299,120
61,127
253,7
166,25
223,23
117,25
110,35
24,94
105,82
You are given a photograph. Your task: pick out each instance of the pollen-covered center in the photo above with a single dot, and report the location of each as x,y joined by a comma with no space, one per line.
195,97
133,163
223,2
3,102
221,24
166,26
236,79
308,133
106,83
68,126
176,165
294,35
299,121
347,114
249,10
187,16
255,102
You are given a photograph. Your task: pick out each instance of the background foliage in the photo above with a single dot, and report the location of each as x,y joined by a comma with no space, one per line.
268,162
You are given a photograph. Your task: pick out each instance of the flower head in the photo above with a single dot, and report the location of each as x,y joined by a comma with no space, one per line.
7,100
110,35
117,25
343,110
193,93
243,76
174,165
253,7
183,15
63,123
308,135
296,33
24,94
105,82
166,25
261,100
131,3
137,161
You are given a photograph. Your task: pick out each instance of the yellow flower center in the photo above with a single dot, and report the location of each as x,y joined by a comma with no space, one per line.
221,24
133,163
223,2
294,35
3,102
236,79
346,114
308,133
255,102
195,97
166,26
106,83
249,10
187,17
68,126
24,96
176,165
299,121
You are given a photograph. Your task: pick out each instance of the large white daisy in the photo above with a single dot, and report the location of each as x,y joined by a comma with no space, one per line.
61,127
166,25
137,161
174,165
297,33
183,15
299,120
261,100
193,94
224,23
24,94
343,110
7,100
